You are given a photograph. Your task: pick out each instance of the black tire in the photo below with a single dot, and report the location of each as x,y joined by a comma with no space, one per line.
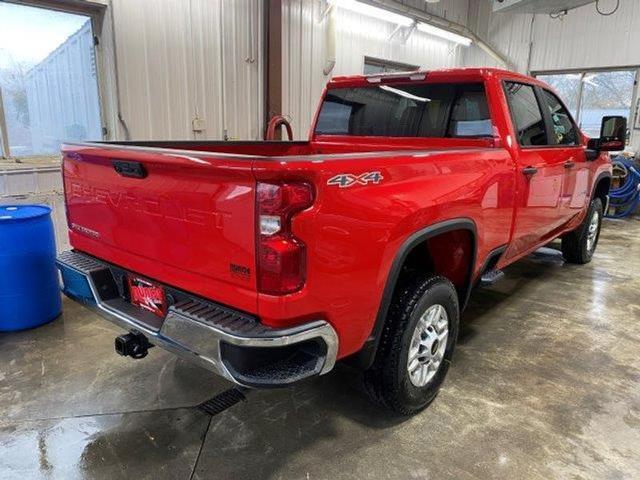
388,382
575,244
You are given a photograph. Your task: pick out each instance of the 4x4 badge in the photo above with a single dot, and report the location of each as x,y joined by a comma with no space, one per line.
348,179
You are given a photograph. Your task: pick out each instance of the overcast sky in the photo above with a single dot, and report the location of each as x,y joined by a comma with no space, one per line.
29,34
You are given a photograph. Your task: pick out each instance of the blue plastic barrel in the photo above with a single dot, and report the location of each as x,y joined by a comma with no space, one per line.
29,289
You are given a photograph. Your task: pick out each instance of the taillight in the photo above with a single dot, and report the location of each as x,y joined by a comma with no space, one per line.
281,256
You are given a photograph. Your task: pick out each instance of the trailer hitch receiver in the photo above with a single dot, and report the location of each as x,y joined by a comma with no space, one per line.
133,344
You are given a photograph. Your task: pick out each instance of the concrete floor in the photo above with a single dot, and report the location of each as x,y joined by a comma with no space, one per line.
545,384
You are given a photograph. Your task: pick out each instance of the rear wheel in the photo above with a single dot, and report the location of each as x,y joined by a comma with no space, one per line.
579,246
416,346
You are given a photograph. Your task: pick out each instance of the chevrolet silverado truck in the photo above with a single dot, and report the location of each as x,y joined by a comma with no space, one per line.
267,262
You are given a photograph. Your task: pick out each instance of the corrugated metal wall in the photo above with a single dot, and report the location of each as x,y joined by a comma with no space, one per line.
184,59
155,68
581,39
363,36
584,39
62,95
507,33
356,36
304,55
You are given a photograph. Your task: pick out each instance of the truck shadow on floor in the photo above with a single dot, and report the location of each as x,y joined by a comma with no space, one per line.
538,267
270,433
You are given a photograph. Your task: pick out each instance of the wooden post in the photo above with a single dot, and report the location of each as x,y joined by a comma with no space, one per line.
274,61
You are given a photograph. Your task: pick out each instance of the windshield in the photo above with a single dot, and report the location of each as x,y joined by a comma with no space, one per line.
427,110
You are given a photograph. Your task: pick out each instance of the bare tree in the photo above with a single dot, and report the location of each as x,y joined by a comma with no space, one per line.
13,81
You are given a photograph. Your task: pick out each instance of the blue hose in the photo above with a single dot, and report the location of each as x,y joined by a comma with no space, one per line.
625,198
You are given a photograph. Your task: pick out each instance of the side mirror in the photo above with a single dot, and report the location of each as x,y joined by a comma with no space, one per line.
613,135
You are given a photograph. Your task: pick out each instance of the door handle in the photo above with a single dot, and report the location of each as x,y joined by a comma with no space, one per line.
530,171
569,164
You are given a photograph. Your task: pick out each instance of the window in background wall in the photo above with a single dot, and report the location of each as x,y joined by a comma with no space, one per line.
48,79
375,65
593,95
605,93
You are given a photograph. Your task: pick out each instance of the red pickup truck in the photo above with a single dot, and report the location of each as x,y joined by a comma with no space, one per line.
268,261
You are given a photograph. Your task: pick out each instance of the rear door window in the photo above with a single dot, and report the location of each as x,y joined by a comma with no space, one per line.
431,110
470,116
526,114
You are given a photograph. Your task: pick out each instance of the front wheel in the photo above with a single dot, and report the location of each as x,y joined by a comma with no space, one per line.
416,346
579,246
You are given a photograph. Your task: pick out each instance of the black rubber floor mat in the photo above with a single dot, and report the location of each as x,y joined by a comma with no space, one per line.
222,401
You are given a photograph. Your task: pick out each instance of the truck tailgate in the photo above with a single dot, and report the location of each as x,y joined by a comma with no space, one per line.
187,221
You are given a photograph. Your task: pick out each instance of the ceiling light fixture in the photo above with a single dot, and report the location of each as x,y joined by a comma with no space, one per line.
446,34
371,11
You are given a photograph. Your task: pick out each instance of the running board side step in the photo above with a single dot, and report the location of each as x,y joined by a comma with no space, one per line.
491,277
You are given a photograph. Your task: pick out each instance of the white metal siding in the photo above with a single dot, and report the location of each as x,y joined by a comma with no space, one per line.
178,59
303,58
584,39
508,33
357,36
155,69
364,36
243,64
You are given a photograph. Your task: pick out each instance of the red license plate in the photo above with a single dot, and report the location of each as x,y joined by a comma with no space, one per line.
148,296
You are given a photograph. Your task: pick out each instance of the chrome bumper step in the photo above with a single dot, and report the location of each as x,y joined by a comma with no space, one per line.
231,343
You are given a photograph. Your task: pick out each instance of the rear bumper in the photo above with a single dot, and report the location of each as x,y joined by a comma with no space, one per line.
231,343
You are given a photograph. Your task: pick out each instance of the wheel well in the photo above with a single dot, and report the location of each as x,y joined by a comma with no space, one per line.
447,248
602,189
450,254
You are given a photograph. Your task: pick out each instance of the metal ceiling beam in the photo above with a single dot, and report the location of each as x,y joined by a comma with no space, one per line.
443,23
70,6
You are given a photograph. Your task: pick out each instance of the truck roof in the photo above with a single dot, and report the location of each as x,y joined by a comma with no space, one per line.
445,73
